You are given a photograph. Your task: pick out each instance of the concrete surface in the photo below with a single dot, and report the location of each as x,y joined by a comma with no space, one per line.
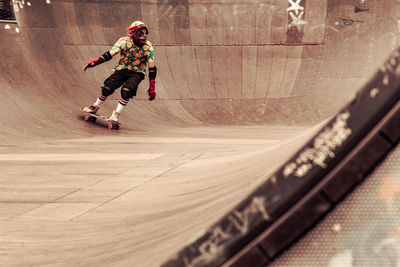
232,104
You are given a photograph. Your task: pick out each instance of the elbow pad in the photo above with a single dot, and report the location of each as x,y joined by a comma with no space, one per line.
153,73
106,56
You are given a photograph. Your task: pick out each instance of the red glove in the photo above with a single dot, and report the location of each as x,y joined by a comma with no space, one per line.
93,62
152,90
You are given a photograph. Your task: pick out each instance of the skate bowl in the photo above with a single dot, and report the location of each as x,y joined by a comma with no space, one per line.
243,89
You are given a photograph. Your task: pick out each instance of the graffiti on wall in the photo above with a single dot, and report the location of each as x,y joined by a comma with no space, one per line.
239,222
296,22
348,21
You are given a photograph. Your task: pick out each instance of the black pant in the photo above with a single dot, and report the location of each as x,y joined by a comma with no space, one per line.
127,79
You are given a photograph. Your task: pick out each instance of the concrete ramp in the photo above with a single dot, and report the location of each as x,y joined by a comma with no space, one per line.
241,87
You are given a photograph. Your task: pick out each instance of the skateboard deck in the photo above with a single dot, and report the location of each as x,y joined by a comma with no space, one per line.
93,117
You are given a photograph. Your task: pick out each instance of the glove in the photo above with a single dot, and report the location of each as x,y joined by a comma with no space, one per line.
93,63
152,90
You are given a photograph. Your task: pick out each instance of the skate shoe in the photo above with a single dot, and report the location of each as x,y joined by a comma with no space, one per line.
114,117
91,109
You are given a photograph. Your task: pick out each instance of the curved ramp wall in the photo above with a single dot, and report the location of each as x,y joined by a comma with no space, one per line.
219,63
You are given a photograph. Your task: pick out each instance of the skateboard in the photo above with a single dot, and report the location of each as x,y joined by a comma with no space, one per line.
93,117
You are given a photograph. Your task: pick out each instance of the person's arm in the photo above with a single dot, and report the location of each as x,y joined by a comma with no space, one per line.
105,57
152,76
94,62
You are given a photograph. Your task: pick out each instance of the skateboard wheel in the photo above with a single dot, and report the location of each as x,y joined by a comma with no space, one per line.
113,126
90,118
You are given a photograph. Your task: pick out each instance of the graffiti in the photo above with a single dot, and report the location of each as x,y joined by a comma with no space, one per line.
294,33
296,21
359,10
238,221
295,6
332,137
212,246
391,67
349,22
173,12
241,219
324,145
296,13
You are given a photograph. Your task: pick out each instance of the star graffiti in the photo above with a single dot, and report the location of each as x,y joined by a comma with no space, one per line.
297,20
295,6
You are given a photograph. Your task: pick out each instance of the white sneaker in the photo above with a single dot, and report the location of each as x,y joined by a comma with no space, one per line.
91,109
114,116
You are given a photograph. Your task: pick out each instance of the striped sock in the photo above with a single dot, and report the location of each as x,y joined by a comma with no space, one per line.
100,100
121,104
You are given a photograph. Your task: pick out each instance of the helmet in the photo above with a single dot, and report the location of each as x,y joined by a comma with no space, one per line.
138,32
137,23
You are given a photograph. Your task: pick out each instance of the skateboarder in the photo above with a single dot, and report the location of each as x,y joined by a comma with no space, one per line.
136,54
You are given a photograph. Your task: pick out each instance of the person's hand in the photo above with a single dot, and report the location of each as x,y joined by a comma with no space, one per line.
92,63
152,90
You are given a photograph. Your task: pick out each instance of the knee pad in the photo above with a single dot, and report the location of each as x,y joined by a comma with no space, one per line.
106,91
126,93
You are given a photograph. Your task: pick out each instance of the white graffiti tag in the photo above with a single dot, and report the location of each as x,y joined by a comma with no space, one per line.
324,146
297,20
296,13
391,67
238,225
295,6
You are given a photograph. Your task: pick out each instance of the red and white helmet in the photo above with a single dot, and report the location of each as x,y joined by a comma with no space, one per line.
138,32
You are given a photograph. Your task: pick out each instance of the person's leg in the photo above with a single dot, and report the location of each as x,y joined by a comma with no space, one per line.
128,91
114,81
